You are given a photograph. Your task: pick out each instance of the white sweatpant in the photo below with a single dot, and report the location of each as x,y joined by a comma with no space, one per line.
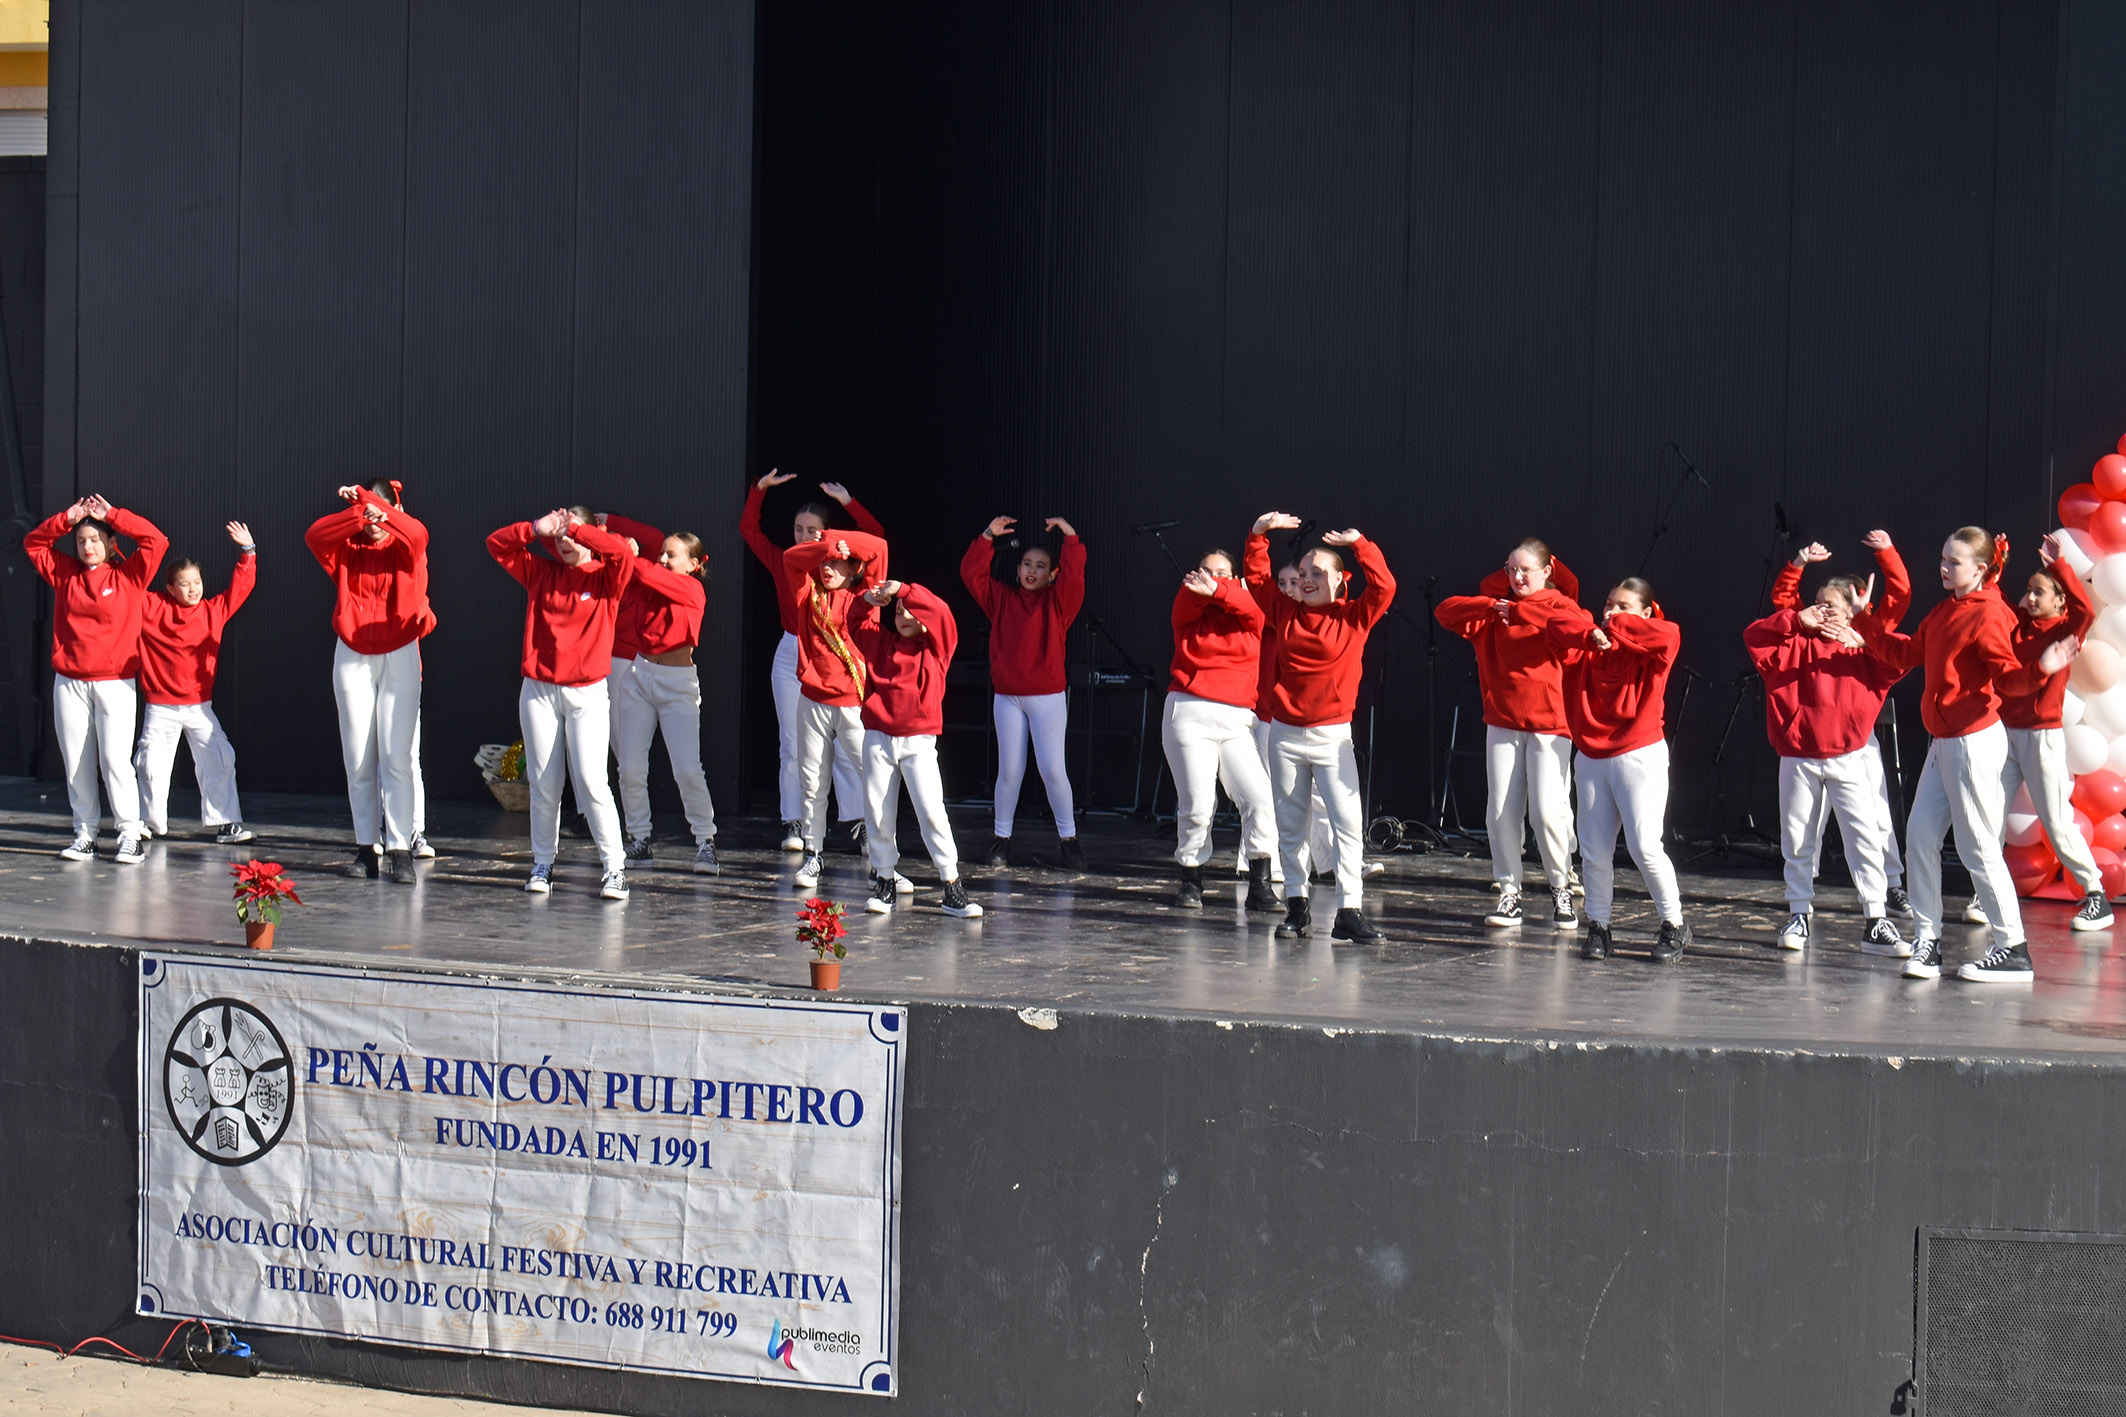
565,728
2037,759
379,699
94,720
213,763
1304,761
790,702
1320,844
1811,789
1628,792
420,783
890,762
1208,743
1893,861
1528,774
1960,789
825,736
648,697
1044,716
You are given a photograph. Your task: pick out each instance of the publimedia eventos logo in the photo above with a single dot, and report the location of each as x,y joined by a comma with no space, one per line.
782,1340
227,1082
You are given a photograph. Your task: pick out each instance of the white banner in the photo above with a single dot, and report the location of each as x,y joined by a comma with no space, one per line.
675,1183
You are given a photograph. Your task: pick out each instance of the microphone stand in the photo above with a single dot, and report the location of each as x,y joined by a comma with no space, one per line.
1160,537
1661,527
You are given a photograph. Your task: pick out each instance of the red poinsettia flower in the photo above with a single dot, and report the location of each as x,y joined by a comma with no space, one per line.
819,924
259,889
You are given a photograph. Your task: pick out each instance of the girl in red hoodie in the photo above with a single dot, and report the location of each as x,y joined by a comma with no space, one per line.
1321,647
180,645
1209,728
1028,619
1527,750
96,608
906,636
1615,687
662,609
810,524
822,579
573,601
1967,645
377,556
1320,843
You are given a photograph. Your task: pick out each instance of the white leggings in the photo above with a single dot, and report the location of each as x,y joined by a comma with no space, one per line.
1811,789
890,762
2037,759
1960,789
94,719
1208,743
213,763
1629,793
565,731
1893,861
1304,761
1320,843
826,734
790,704
379,699
647,696
1528,774
1045,717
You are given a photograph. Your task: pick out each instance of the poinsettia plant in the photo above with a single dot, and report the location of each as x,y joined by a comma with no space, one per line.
819,924
260,888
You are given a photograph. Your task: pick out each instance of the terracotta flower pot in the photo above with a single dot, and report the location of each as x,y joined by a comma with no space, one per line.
826,974
258,934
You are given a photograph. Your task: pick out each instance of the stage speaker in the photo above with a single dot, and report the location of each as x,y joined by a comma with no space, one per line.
2019,1323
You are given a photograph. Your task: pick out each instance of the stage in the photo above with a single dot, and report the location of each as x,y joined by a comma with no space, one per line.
1160,1161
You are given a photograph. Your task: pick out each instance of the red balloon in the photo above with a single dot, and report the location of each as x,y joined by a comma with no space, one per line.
2114,877
2101,793
2122,442
2107,526
2077,503
2083,825
2109,474
2111,833
2031,865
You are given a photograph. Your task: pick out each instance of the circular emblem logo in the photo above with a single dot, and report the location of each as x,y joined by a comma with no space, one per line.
228,1082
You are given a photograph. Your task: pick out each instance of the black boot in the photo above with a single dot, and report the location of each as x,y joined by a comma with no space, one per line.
999,853
1298,919
1596,945
364,864
1190,894
1351,925
1261,894
1670,943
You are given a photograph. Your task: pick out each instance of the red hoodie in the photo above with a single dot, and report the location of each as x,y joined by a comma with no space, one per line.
627,625
905,695
1218,644
668,609
96,609
2041,709
181,644
1967,644
769,553
1321,649
1821,699
1521,680
1615,698
383,585
829,668
1027,628
1894,592
569,610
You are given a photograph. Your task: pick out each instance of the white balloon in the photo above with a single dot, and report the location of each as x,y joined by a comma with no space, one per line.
2087,749
2086,545
2022,802
2110,626
2071,709
2074,554
2109,578
2116,758
2023,828
2106,712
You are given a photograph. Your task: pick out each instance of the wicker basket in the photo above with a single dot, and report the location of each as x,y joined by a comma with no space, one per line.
514,796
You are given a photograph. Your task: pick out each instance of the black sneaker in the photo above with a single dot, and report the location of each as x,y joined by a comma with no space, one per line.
398,865
1262,895
1596,946
1794,935
130,852
1925,960
793,836
1563,913
576,826
957,903
1900,904
809,871
83,846
364,864
1671,942
880,901
1351,925
1882,939
1508,909
859,839
1189,894
1071,854
1298,922
999,853
2003,964
1322,878
637,849
705,862
2095,913
232,834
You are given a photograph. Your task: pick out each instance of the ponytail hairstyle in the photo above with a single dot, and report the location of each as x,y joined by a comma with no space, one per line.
1639,586
171,570
388,489
2052,573
695,552
1540,548
823,510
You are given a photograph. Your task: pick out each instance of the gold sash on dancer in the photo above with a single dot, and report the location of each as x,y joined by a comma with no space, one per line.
823,621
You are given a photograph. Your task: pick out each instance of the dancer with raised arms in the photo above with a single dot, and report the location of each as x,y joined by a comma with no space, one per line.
180,648
1321,646
821,579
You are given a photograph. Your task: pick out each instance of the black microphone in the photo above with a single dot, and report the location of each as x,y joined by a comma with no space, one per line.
1691,465
1142,527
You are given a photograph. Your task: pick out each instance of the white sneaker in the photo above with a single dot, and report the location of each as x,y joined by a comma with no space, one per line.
614,886
792,838
902,885
231,834
83,847
808,871
1975,914
130,851
422,851
1794,935
541,880
880,901
1369,869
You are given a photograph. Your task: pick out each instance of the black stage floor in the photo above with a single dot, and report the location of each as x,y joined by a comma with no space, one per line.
1103,941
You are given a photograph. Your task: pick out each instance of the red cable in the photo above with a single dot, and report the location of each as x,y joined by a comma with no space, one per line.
70,1352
